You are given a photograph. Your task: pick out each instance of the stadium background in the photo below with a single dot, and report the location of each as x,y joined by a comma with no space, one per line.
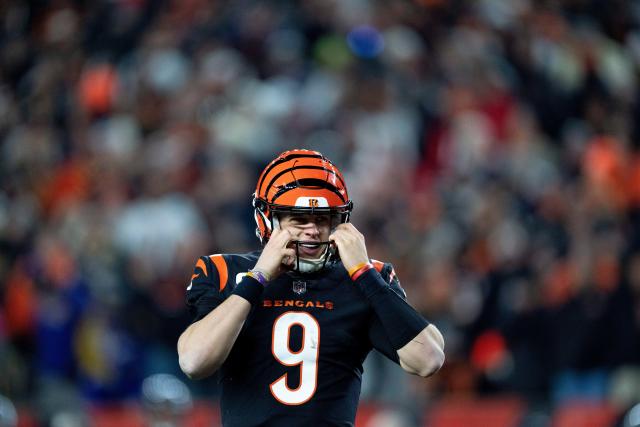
491,149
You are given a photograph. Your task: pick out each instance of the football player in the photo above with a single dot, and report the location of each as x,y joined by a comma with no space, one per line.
289,326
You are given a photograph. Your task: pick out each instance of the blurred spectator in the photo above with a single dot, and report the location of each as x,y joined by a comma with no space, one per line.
8,414
166,400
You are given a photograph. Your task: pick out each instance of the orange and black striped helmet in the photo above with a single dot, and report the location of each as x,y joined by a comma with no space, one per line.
299,181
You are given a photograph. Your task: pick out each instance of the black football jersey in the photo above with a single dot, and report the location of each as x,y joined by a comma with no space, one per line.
298,358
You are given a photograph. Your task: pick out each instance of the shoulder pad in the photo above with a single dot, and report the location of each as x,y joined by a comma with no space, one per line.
221,266
385,269
211,268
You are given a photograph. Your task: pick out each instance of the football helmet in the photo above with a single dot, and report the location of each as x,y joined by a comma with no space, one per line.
301,182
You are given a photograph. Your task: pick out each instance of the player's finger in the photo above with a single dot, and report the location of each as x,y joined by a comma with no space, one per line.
290,252
339,237
346,226
288,256
350,229
337,242
288,261
338,231
280,237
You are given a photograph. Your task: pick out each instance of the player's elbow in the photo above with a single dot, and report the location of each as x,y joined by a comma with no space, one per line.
192,360
424,360
432,361
188,366
194,367
424,355
433,351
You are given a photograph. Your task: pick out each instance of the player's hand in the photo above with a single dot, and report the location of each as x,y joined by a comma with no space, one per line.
351,245
276,258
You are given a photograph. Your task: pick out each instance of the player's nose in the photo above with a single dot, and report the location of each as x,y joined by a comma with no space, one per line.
311,229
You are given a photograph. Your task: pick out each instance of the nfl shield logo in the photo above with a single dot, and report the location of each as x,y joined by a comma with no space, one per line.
299,287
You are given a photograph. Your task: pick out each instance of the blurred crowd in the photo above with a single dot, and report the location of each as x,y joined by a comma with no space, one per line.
491,148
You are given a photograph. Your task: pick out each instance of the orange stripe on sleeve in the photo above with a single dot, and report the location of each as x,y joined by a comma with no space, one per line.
200,264
378,265
223,272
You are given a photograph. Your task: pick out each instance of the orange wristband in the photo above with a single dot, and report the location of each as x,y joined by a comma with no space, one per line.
355,268
366,267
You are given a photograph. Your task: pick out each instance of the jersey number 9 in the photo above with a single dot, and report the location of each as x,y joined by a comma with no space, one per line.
306,357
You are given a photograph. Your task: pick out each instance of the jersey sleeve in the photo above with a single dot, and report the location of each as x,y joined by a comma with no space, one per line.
377,334
208,284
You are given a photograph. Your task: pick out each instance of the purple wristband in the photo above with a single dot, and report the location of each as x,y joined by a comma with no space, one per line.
259,276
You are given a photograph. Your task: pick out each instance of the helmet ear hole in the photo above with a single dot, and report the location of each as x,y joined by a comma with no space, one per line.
259,203
262,218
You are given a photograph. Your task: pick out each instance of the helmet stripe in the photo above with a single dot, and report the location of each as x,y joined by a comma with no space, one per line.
279,174
282,160
307,182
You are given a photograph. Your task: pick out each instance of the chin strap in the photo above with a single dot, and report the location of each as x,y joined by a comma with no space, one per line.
310,265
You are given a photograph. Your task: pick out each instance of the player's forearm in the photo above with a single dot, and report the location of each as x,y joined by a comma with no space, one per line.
419,345
424,354
205,345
